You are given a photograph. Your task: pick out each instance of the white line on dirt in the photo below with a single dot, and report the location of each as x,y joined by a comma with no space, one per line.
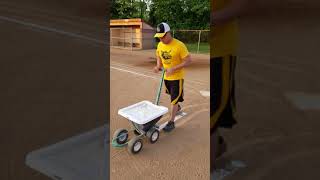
131,67
175,120
203,93
132,72
72,35
190,118
18,7
69,34
51,29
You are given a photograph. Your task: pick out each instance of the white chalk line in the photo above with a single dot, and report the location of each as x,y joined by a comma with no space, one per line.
71,35
133,67
132,72
181,123
167,116
49,29
191,89
68,34
188,83
92,29
18,7
179,116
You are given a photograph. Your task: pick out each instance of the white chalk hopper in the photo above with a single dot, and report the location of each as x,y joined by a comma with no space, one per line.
149,111
143,112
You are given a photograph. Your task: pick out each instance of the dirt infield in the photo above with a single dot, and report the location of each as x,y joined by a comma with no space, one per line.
182,154
52,90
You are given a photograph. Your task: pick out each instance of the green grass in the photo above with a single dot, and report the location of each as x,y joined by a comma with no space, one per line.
204,48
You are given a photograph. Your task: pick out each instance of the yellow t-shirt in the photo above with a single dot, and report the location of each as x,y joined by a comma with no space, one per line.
223,39
171,55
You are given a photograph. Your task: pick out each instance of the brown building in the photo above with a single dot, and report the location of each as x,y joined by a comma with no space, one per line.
131,34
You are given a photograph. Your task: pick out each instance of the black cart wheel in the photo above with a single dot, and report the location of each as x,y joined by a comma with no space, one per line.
135,145
121,136
153,135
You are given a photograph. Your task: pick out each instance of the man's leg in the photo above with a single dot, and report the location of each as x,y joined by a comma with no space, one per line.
170,125
216,106
176,93
169,91
222,102
174,110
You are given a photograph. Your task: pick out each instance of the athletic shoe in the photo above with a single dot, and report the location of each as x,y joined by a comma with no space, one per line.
169,127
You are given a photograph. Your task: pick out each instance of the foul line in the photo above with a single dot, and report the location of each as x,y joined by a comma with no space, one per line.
139,74
68,34
51,29
132,72
127,66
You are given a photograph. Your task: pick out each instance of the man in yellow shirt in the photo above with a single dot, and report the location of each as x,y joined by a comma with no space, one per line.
173,56
223,47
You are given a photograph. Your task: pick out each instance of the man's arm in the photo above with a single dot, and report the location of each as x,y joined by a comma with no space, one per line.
159,63
158,66
185,62
234,9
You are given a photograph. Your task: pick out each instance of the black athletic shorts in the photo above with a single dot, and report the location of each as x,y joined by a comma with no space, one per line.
222,92
175,89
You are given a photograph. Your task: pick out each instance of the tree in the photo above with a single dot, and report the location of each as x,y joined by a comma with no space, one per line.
124,9
181,14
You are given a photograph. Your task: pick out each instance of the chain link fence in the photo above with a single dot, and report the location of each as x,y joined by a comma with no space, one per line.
197,41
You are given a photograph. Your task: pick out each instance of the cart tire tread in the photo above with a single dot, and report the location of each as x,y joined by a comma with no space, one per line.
121,132
153,135
135,145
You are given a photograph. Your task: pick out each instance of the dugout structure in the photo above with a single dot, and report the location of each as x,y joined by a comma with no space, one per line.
134,34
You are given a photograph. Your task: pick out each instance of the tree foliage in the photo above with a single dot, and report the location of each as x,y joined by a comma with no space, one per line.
125,9
180,14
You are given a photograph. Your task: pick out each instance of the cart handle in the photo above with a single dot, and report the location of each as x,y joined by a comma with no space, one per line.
160,86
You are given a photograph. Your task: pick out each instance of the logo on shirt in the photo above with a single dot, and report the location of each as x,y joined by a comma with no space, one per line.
166,55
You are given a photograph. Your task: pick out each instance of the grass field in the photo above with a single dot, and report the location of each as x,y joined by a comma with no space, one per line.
204,48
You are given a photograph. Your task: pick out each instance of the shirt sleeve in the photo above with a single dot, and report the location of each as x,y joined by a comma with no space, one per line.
183,51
